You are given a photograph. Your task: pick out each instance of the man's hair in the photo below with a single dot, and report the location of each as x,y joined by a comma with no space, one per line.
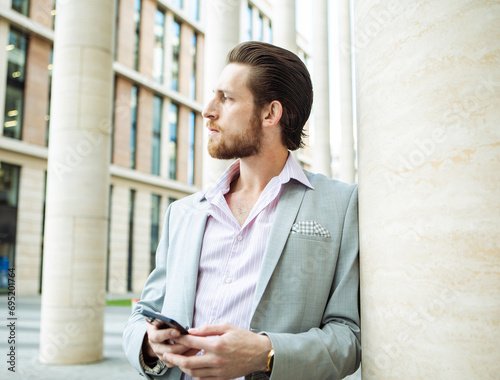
278,74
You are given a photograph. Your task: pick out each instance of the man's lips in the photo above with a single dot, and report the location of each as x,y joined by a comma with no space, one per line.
212,129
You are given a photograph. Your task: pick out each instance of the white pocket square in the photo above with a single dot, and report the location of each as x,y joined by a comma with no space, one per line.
310,227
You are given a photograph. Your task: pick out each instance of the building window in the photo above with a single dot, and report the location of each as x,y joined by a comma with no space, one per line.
260,28
156,148
130,240
21,6
173,119
192,80
270,32
9,186
155,227
133,126
195,9
177,3
137,23
176,47
14,99
159,49
249,23
191,132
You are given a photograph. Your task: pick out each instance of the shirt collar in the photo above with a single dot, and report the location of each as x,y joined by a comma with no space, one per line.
291,170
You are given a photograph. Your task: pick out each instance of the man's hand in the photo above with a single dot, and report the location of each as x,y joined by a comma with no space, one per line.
228,352
158,342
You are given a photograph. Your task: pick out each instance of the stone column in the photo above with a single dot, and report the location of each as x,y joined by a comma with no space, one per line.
321,111
347,167
284,32
222,34
29,229
74,269
428,101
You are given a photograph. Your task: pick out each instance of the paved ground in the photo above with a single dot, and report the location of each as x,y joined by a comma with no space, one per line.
114,366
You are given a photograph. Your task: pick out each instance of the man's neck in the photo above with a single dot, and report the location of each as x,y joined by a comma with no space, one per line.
255,174
257,171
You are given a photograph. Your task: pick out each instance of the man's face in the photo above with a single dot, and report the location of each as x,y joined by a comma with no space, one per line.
235,129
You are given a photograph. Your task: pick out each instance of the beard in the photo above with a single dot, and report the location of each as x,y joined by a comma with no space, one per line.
244,143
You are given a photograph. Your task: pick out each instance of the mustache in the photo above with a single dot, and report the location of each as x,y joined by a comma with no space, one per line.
211,125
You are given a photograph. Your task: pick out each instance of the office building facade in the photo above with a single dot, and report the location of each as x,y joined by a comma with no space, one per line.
157,128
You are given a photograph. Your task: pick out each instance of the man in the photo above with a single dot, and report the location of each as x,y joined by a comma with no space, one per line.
264,265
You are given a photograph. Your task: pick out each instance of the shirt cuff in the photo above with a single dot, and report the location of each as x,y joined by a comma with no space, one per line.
159,369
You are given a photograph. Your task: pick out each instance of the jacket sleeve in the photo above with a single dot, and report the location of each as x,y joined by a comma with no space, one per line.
333,350
151,298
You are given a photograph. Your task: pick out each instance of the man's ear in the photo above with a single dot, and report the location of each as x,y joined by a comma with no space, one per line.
271,113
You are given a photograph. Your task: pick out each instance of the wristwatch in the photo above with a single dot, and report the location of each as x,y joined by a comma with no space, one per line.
270,360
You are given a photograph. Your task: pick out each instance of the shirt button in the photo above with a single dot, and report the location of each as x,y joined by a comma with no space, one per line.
239,238
228,280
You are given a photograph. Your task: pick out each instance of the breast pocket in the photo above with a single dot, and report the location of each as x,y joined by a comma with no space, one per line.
303,278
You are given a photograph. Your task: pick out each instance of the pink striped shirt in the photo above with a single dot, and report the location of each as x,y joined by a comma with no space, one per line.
231,255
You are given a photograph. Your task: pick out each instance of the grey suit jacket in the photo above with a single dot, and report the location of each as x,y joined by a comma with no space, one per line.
306,298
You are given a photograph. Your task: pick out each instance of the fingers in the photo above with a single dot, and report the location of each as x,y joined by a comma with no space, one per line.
162,341
156,335
211,330
201,366
197,337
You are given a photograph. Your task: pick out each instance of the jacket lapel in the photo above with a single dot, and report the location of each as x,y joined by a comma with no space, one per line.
286,213
196,227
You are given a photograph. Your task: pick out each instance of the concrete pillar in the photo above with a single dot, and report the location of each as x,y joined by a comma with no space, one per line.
284,31
119,239
347,167
142,240
222,34
321,113
29,229
74,269
428,101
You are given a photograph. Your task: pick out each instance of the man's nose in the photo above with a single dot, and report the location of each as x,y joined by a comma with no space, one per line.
209,112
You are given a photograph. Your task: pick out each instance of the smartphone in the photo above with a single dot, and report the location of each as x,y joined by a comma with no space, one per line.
163,322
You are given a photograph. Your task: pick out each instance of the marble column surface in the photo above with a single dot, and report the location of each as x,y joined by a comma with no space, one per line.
75,243
321,154
347,158
284,32
428,109
222,34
